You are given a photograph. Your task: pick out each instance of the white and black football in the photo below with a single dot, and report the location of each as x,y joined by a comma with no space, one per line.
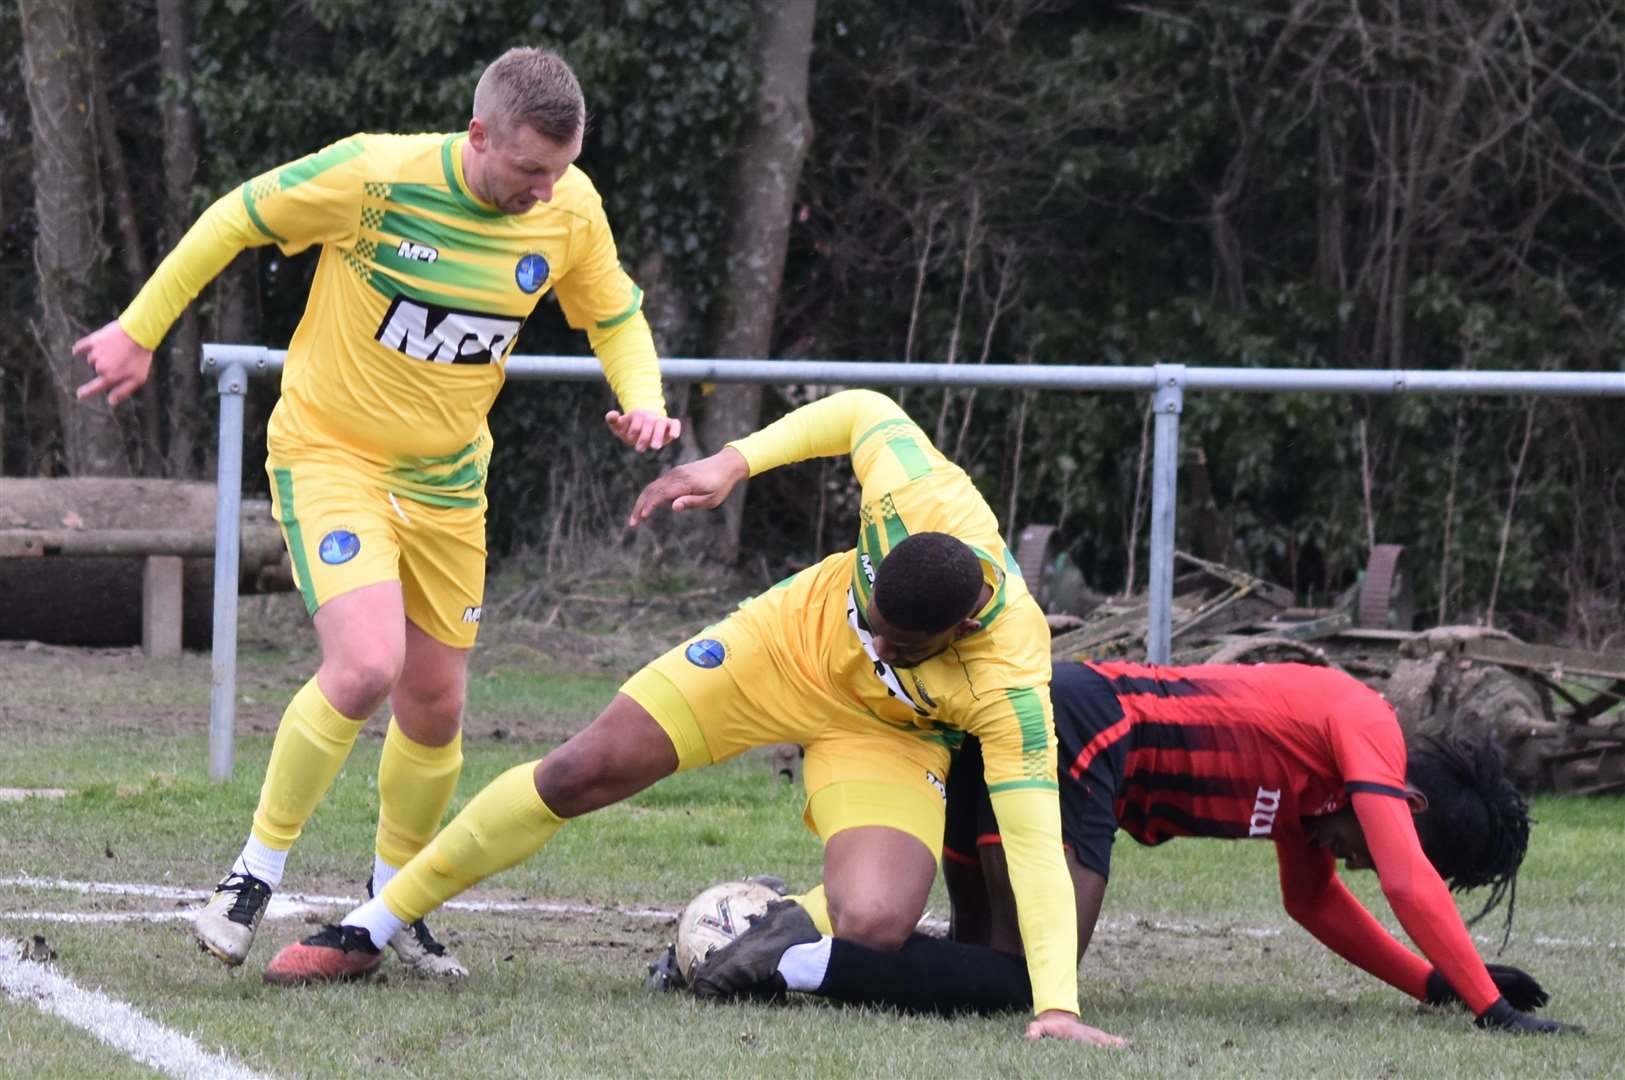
715,917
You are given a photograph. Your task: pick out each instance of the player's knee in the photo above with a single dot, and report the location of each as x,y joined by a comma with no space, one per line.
362,677
872,923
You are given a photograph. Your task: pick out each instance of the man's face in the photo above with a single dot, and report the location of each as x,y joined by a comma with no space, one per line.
907,648
1340,834
516,169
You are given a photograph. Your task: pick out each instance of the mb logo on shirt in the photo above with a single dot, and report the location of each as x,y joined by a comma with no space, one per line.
1265,807
445,335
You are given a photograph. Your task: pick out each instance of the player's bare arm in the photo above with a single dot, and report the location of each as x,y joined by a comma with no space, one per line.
642,429
699,485
120,362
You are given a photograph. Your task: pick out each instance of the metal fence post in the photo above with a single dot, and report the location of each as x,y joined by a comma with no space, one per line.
1168,403
228,523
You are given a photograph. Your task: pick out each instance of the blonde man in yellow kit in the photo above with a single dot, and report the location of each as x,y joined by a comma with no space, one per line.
435,249
877,660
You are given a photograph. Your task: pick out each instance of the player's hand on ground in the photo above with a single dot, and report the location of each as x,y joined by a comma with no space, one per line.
1521,989
120,363
1055,1024
1503,1017
643,430
699,485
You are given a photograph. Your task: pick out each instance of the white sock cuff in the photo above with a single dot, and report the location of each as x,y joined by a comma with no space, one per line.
803,966
376,918
265,863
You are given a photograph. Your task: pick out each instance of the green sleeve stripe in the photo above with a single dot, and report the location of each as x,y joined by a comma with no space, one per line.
896,421
254,215
455,194
310,168
452,203
909,455
637,302
296,542
1029,709
1014,785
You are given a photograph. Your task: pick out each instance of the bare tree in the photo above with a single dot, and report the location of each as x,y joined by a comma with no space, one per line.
68,207
773,145
180,172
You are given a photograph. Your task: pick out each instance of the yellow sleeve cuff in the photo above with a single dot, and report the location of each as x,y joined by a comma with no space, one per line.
823,428
627,355
1046,908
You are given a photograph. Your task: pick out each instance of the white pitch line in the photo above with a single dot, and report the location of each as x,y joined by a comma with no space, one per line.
294,905
113,1022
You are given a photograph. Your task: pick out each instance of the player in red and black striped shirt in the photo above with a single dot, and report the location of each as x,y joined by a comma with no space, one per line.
1307,757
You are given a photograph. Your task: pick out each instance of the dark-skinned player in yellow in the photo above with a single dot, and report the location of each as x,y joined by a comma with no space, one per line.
877,660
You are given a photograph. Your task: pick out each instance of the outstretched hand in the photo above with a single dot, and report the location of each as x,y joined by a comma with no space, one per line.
120,362
699,485
643,430
1056,1024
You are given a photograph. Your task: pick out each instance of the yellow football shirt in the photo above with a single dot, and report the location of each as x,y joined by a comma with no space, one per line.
419,295
993,684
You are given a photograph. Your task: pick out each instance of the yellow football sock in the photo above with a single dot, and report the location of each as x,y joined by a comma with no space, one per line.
504,824
813,900
415,783
311,744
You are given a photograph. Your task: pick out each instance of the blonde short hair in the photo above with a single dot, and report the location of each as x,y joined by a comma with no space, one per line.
534,87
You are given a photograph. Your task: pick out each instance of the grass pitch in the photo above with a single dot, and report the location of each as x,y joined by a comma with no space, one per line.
1195,961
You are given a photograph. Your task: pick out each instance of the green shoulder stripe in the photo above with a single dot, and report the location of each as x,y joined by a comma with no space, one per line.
302,171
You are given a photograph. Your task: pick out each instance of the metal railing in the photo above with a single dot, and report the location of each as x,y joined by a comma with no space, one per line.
234,365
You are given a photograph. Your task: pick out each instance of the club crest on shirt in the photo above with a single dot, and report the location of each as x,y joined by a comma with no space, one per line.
339,546
706,653
531,273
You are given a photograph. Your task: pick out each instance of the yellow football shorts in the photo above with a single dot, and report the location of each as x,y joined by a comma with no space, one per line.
758,678
345,530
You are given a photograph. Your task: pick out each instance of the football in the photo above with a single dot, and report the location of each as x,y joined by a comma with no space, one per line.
715,917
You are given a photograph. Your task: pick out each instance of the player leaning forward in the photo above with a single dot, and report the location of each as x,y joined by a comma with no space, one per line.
435,249
875,660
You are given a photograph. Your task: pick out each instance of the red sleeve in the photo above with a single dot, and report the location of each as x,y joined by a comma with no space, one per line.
1419,898
1319,901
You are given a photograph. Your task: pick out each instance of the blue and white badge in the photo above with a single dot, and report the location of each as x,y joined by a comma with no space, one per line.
531,273
706,653
339,546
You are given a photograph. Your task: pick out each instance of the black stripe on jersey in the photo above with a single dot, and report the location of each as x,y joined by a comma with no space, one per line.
1187,784
1143,823
1133,684
1369,788
1152,735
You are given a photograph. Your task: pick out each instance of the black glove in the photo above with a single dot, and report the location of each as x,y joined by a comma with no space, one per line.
1503,1017
1517,986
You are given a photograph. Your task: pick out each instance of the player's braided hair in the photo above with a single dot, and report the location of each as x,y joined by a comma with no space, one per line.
1475,830
928,583
534,87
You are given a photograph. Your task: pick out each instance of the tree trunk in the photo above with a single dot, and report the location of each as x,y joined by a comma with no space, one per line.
773,144
67,204
180,171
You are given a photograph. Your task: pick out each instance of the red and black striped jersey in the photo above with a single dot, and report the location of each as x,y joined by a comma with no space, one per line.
1235,751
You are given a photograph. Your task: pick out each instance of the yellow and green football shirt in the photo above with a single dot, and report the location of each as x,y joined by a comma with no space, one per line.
993,684
419,295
